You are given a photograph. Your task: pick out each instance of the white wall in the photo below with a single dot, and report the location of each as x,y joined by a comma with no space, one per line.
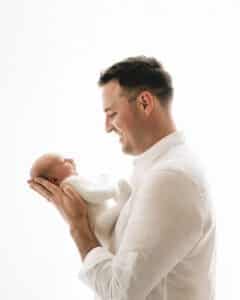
51,53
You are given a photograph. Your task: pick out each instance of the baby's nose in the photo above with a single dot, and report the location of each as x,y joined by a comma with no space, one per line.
69,160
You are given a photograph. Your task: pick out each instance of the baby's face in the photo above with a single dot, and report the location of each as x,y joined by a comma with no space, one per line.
61,169
54,167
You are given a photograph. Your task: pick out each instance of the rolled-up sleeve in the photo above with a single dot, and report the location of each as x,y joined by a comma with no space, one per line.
164,226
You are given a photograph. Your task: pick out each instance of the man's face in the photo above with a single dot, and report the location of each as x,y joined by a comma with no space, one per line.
121,117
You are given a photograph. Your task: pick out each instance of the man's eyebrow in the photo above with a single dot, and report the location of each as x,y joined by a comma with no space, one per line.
107,109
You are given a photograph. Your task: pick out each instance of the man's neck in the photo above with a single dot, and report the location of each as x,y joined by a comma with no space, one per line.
154,136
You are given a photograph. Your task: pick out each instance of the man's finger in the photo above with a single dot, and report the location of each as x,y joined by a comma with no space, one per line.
67,191
47,185
68,206
72,193
74,196
79,207
40,190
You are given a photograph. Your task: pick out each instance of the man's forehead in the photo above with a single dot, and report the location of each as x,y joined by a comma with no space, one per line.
111,95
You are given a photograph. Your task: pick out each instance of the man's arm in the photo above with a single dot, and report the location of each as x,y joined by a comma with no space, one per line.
84,238
164,225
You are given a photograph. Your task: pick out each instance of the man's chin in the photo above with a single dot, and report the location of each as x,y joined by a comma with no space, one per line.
126,149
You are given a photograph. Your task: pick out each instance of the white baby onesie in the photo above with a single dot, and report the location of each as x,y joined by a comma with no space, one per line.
95,192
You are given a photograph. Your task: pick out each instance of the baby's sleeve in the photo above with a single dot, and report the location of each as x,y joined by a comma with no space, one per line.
123,191
103,215
108,213
93,190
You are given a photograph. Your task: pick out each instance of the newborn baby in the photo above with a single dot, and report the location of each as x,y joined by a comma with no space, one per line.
60,170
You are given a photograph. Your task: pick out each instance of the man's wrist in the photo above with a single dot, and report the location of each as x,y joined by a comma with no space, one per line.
83,237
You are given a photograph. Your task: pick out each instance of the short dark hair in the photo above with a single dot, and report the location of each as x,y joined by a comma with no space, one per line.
139,73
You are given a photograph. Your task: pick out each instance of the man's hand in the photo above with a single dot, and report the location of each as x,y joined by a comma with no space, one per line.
73,209
68,202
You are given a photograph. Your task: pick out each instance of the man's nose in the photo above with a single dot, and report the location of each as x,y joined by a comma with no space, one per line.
108,125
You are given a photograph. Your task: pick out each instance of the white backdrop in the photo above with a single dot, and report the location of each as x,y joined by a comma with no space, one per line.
51,54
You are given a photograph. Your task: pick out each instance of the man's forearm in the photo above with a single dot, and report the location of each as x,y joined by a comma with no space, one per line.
84,238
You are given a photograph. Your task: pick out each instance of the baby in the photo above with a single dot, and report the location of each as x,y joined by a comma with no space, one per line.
102,218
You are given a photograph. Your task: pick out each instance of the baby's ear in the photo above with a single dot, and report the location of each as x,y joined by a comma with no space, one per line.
54,180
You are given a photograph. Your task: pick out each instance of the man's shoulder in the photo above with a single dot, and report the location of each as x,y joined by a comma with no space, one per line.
181,178
182,162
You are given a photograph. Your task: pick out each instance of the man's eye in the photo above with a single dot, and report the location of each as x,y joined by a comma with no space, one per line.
112,115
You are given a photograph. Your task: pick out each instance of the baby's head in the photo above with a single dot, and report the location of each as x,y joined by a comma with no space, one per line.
53,167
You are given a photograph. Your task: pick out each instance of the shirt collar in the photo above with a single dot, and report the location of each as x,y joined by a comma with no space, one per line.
160,147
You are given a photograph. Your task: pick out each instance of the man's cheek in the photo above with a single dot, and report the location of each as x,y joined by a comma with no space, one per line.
117,126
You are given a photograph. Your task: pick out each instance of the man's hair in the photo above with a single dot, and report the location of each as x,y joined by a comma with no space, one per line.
136,74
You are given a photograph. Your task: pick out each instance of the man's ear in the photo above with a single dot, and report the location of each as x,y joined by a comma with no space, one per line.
146,102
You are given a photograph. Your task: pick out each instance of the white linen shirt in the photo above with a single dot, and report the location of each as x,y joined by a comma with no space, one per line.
163,243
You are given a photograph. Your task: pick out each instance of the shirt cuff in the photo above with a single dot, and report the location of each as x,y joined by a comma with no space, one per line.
94,257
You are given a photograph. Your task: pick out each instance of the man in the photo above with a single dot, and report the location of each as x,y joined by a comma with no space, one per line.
163,243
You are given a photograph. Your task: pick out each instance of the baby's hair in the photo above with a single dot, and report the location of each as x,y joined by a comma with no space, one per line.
45,167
